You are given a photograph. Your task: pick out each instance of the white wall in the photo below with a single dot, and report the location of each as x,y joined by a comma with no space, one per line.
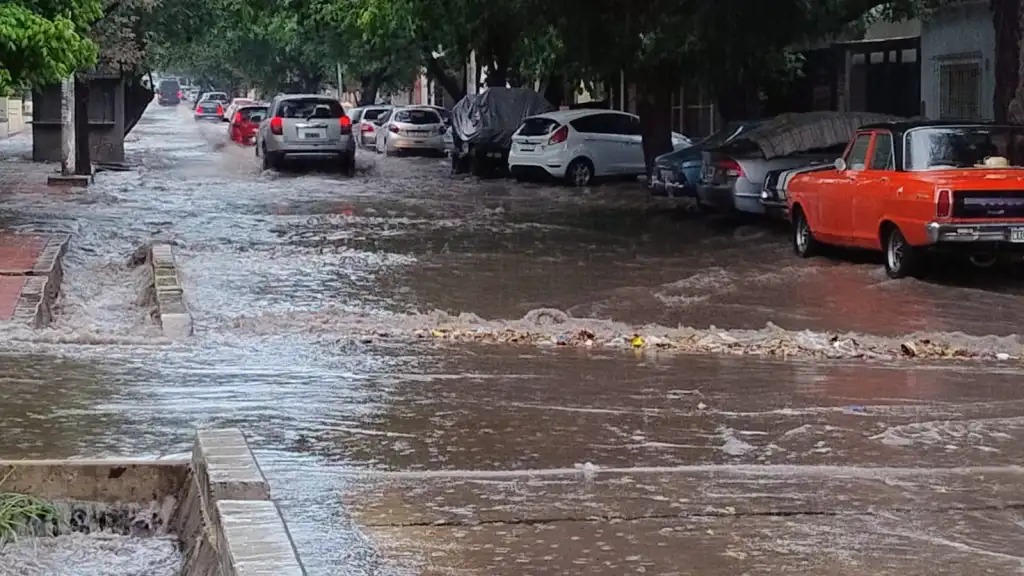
965,30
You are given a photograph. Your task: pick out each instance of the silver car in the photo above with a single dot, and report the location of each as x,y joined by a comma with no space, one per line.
419,128
306,126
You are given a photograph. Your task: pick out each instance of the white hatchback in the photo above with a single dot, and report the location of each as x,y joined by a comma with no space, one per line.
580,145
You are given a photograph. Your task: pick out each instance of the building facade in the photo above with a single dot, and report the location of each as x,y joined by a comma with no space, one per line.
958,47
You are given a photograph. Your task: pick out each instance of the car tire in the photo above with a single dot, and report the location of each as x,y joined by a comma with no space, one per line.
348,165
805,245
901,259
271,160
579,173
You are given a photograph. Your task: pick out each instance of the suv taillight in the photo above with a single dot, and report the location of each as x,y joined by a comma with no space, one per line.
943,204
277,125
346,124
560,135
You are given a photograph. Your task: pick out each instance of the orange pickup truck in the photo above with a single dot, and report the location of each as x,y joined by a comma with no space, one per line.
907,188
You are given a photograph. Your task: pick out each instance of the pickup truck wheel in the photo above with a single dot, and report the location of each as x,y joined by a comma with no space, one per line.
804,243
901,259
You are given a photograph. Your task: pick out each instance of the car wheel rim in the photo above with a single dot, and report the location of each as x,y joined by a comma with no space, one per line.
581,175
801,235
895,252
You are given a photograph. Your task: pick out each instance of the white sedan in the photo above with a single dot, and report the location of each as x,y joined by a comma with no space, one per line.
580,145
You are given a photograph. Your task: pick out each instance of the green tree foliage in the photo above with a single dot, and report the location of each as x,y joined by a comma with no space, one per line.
45,41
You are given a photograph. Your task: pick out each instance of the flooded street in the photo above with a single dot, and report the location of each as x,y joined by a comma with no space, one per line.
394,453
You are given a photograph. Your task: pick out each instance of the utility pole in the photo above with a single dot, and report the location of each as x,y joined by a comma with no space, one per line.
83,160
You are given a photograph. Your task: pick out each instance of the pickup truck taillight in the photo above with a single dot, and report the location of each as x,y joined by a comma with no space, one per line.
943,203
276,125
729,167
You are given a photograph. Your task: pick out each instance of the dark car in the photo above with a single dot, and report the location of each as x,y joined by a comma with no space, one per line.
676,173
169,93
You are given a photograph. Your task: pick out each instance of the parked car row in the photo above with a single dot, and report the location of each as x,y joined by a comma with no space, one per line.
907,188
394,129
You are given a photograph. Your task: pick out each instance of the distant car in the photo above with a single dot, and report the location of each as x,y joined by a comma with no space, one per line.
245,122
580,145
412,128
229,113
209,110
169,93
363,119
221,97
306,126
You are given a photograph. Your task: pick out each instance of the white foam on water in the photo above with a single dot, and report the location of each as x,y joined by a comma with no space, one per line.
91,555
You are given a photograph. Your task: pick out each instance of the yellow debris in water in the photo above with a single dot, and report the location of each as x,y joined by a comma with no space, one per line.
436,333
638,342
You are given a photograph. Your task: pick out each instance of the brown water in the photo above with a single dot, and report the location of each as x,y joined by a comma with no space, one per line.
406,455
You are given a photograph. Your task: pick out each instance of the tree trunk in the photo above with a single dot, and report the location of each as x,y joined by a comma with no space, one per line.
438,74
738,102
497,76
1006,18
368,88
654,104
554,89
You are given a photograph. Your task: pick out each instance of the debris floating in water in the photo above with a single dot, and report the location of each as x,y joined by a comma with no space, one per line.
548,328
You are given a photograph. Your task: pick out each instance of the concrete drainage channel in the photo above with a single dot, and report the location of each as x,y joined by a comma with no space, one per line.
171,310
215,510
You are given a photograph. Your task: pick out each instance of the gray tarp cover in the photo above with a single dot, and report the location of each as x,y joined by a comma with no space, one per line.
492,117
790,133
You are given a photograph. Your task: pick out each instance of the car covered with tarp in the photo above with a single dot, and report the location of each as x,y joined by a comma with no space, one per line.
483,124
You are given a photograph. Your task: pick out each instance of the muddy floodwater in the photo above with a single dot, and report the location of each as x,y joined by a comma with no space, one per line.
395,453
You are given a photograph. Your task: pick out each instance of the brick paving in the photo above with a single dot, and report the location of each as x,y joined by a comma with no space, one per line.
10,293
21,255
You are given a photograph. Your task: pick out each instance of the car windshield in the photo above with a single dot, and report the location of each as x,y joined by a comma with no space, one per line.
310,108
726,135
538,127
968,146
374,113
249,111
417,117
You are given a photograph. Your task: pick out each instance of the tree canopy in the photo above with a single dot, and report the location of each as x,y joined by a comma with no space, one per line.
45,41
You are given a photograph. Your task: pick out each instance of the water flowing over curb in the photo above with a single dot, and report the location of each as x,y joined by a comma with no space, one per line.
217,505
173,314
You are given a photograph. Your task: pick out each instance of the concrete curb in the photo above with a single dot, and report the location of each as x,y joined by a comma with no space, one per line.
175,319
42,284
243,531
217,504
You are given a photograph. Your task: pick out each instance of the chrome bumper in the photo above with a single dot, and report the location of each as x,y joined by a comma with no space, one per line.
989,232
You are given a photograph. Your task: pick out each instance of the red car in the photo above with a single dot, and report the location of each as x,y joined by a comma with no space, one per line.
246,122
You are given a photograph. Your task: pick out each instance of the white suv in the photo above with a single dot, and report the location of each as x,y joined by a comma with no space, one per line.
580,145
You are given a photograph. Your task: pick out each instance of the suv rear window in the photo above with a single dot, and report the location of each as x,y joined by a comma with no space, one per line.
538,127
306,107
417,117
169,86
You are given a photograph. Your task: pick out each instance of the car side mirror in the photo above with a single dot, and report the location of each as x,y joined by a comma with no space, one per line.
840,164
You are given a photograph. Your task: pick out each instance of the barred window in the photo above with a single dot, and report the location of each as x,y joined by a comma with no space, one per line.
960,90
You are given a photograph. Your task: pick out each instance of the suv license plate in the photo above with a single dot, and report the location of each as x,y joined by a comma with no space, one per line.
1017,235
314,134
